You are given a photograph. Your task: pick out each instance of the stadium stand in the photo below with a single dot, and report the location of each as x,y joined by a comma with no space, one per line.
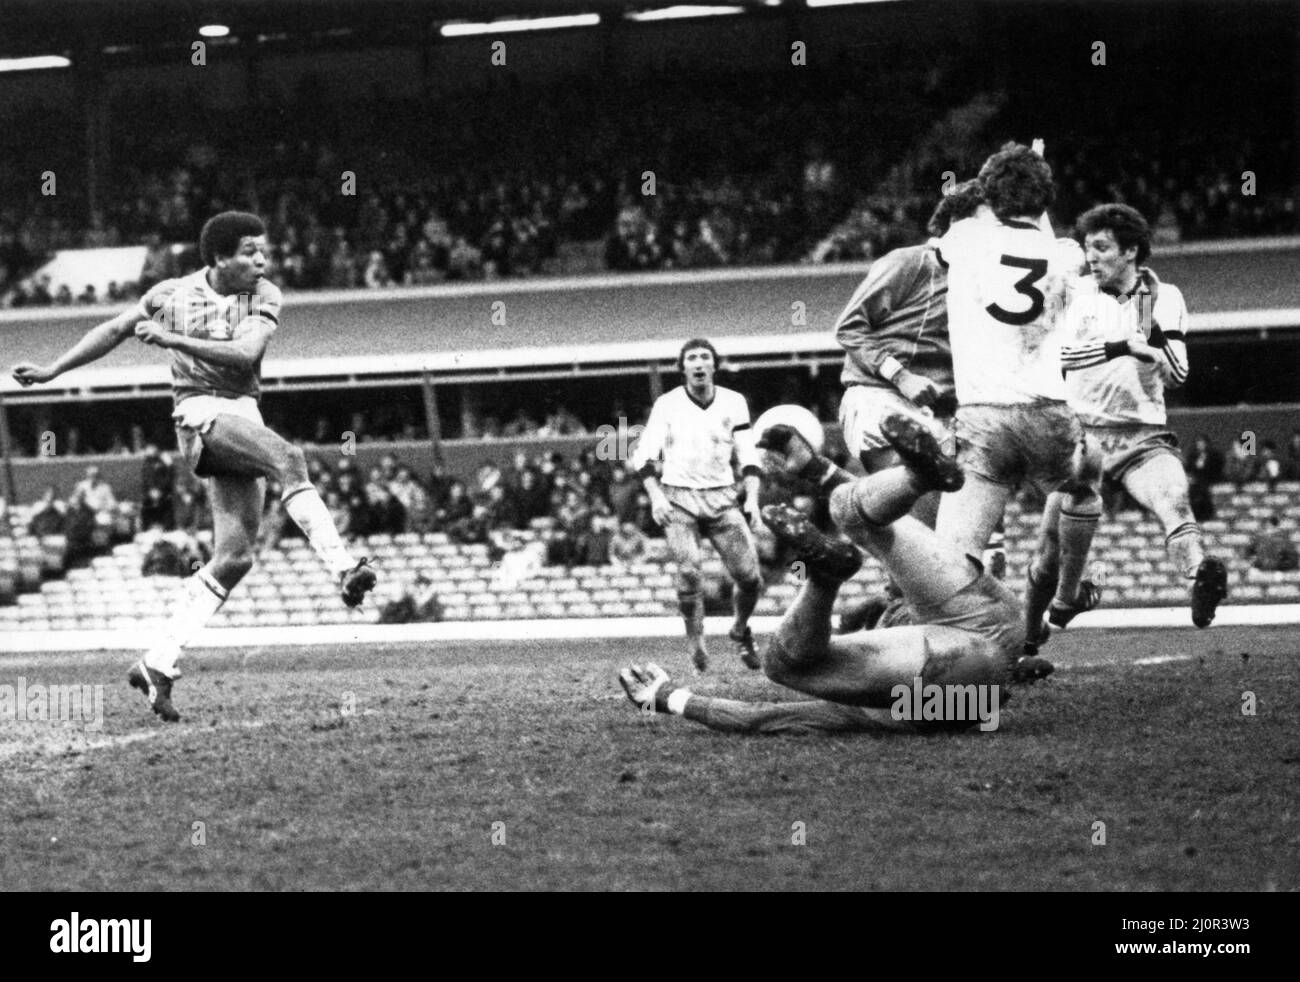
446,200
289,586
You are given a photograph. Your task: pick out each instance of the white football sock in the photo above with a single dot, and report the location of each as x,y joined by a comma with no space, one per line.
305,507
201,597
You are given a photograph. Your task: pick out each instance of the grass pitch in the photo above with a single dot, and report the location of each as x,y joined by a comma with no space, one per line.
522,765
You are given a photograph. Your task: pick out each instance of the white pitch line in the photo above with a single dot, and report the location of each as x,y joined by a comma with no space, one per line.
116,740
576,629
1160,659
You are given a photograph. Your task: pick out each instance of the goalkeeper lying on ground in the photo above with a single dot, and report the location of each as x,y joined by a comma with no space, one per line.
967,628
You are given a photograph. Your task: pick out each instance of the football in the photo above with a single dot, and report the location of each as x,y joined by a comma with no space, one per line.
798,417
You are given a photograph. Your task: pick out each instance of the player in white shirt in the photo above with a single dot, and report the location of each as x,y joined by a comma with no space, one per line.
1009,280
1125,344
696,430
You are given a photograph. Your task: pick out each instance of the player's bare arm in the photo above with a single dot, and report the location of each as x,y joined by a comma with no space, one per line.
858,328
649,449
96,343
244,352
746,456
660,508
916,388
753,484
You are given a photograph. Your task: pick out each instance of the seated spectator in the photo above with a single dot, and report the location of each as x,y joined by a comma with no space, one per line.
573,522
171,554
49,515
1204,468
158,262
1241,466
85,536
456,508
419,604
437,486
518,558
561,422
343,273
1272,550
422,271
275,526
520,425
472,530
643,518
486,478
317,471
595,544
376,276
465,262
97,494
1291,462
192,512
413,498
157,509
621,492
632,245
1269,467
628,545
513,475
388,515
503,509
531,498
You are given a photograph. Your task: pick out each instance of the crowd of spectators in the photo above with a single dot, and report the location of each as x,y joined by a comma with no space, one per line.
1189,186
670,175
590,511
1271,549
91,520
579,510
103,432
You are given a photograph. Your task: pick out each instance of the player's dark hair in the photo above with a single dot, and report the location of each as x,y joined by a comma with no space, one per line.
961,202
691,345
1122,221
221,234
1017,182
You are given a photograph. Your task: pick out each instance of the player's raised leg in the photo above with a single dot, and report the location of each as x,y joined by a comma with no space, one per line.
871,510
730,535
235,444
864,669
683,537
1159,484
236,516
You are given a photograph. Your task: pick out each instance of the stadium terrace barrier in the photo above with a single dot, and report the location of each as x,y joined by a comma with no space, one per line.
461,457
